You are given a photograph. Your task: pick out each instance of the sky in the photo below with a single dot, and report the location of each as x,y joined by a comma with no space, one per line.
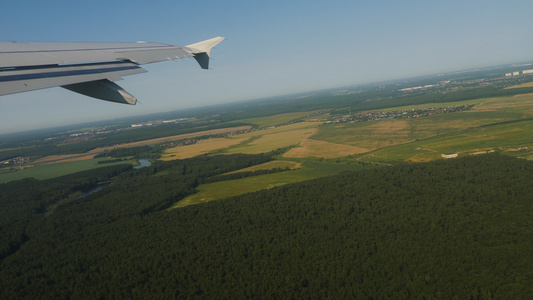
272,48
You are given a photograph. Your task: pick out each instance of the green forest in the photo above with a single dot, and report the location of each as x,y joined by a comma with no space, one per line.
448,229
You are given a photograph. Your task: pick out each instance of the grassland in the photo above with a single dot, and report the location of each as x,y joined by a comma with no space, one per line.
54,170
505,137
229,188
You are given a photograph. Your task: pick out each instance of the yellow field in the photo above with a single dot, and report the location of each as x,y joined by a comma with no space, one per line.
270,142
202,147
316,148
90,154
275,138
522,103
183,136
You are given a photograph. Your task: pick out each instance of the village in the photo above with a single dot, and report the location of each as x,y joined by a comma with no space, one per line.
399,114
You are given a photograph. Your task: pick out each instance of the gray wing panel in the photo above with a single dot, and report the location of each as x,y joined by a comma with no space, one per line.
147,56
23,54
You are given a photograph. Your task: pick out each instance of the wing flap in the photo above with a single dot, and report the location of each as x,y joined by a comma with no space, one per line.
104,90
15,80
149,56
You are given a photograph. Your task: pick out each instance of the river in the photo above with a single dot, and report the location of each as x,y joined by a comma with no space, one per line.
144,162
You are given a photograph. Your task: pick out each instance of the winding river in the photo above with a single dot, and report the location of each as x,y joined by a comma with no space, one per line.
144,162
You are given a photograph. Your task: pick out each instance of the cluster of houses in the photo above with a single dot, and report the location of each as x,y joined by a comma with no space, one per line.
21,160
399,114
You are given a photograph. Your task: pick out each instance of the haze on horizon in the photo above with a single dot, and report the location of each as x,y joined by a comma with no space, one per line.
273,48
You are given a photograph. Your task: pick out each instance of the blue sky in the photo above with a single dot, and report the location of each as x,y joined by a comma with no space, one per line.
273,47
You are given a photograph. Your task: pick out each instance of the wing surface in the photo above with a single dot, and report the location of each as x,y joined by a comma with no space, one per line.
87,68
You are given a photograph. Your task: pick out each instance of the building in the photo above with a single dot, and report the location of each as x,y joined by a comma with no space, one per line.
449,155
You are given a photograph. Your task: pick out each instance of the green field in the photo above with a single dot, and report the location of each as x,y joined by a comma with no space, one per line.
507,137
497,124
220,190
271,139
54,170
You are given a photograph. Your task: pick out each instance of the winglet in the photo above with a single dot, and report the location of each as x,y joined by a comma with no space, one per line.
202,50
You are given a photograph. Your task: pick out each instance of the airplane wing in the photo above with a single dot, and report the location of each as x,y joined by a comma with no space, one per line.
87,68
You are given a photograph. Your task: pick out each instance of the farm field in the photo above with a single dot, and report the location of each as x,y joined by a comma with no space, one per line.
322,149
182,136
254,142
507,137
271,139
90,154
54,170
202,147
424,139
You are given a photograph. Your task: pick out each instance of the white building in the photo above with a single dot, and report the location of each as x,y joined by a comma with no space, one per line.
449,155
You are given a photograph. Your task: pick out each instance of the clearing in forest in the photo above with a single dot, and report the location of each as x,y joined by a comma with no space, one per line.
223,189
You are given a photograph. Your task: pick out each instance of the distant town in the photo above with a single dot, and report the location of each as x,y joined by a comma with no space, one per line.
399,114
